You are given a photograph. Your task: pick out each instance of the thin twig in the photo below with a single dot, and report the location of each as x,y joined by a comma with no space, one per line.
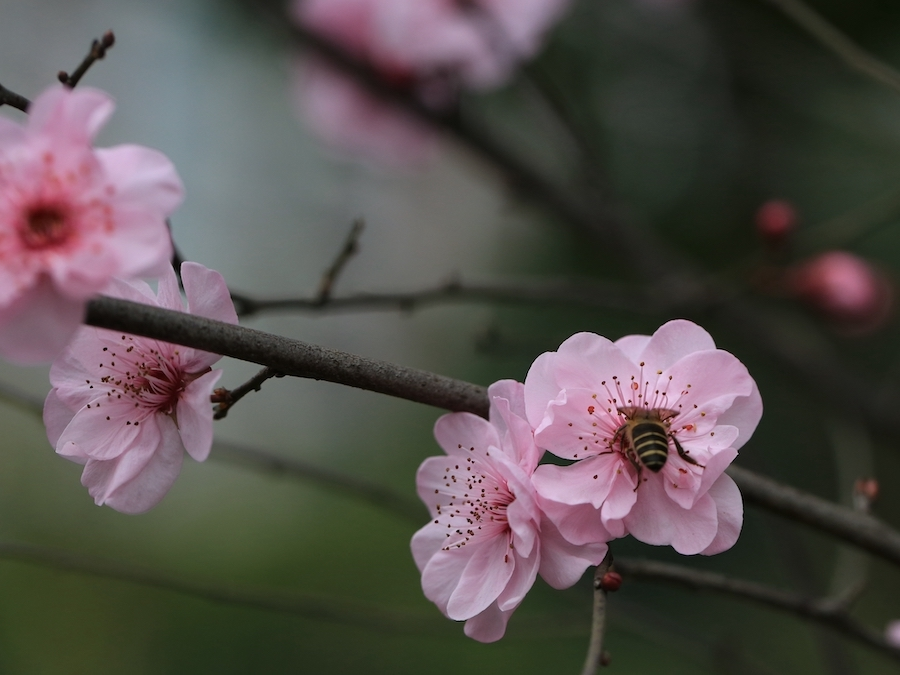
316,608
13,99
348,250
226,398
375,495
860,529
96,52
594,658
827,611
842,46
584,293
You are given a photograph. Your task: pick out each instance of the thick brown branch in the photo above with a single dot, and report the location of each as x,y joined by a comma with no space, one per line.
286,356
827,612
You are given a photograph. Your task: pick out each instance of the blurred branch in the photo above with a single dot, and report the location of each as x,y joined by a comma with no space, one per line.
595,655
855,527
13,99
379,497
585,293
96,52
843,47
348,250
226,398
312,607
829,612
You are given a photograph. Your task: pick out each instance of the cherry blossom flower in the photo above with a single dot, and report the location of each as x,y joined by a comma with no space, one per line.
489,536
843,288
585,401
72,217
892,633
128,407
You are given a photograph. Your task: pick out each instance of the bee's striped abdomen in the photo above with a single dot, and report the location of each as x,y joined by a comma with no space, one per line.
651,444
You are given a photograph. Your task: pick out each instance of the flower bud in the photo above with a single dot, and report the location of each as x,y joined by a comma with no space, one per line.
775,220
611,582
842,287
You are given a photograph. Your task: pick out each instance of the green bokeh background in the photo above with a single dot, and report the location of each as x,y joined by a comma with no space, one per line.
700,112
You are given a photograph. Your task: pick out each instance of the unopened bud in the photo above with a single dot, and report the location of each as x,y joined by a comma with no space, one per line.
611,582
865,492
842,287
775,220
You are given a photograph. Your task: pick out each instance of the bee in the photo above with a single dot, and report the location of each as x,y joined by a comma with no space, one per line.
645,438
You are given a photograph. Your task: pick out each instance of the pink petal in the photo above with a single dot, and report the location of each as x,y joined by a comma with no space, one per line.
586,360
541,388
633,346
562,562
38,324
442,573
56,417
517,438
138,480
673,341
168,292
656,520
97,437
489,625
207,294
744,413
730,512
71,116
195,416
426,543
577,425
462,433
523,522
482,580
521,581
586,482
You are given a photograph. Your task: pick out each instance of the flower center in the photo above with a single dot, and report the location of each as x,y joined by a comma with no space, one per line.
46,226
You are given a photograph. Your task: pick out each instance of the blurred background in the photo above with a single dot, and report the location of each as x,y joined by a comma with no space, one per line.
699,111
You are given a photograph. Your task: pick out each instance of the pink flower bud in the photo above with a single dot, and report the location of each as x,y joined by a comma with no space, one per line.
611,582
775,220
842,287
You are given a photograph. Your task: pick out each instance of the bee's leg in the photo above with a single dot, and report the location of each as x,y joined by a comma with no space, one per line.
636,463
686,457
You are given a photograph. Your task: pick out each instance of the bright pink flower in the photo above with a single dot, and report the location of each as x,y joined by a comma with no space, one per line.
489,537
128,407
580,400
842,287
72,217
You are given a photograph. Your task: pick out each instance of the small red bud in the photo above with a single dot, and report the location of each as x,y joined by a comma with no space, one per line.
866,487
775,220
611,582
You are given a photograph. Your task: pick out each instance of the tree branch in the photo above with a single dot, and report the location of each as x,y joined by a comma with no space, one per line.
226,398
839,44
595,655
286,356
13,99
827,611
96,52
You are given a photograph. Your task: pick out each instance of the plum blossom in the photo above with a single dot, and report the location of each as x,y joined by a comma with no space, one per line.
842,287
431,48
892,633
128,407
490,537
72,218
582,401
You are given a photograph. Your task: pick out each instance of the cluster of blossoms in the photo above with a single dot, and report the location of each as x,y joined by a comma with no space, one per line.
76,221
499,518
430,47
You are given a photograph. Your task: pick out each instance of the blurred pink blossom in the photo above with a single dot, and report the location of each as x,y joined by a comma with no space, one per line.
128,407
72,217
844,288
580,399
892,633
489,536
431,47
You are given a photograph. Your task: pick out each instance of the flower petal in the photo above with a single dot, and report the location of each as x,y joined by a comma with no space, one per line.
38,323
489,625
730,513
195,416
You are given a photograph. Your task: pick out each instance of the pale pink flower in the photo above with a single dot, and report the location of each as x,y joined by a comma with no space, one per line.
128,407
580,399
489,536
72,217
843,288
892,633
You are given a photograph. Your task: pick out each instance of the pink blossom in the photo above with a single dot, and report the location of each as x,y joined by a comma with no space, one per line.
128,407
580,400
775,221
72,217
842,287
892,633
489,536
